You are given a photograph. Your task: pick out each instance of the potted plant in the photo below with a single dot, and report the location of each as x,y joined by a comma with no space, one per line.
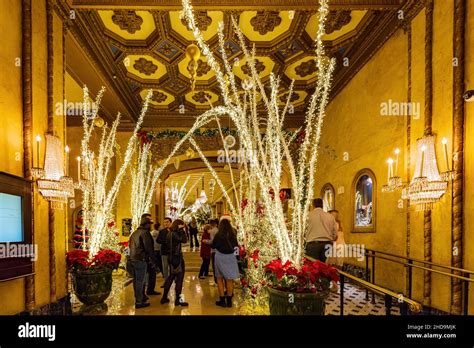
298,291
92,277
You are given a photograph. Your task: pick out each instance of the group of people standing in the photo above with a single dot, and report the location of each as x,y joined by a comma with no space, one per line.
160,250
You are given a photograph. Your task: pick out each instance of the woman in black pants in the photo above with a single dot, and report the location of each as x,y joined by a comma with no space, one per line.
176,237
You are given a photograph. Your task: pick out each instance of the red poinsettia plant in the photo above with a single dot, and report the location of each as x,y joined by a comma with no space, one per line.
313,276
78,260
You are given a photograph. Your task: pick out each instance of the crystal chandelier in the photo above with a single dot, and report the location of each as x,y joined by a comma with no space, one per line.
427,185
54,186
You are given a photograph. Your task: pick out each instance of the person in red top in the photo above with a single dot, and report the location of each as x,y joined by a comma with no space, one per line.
205,251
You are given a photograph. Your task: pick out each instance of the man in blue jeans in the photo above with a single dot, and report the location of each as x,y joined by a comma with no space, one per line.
141,251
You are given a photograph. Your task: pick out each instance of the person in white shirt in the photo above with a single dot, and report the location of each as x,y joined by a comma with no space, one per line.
321,232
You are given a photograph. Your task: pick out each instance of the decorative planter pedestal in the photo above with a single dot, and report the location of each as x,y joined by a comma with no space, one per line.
92,288
296,303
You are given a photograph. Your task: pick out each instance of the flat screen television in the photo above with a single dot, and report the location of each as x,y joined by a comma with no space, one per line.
15,227
11,218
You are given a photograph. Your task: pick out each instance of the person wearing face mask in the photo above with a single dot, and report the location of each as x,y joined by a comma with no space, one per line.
176,237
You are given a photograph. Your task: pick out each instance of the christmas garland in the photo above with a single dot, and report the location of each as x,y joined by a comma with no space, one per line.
148,136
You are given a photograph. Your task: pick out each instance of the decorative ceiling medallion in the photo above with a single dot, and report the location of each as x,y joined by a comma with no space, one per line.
203,21
202,68
306,68
127,20
145,66
202,97
159,97
284,97
167,49
336,20
259,66
265,21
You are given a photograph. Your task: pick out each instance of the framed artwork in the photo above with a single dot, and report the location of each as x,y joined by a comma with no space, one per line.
363,194
328,195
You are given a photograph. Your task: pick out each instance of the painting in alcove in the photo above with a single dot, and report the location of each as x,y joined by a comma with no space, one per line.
363,201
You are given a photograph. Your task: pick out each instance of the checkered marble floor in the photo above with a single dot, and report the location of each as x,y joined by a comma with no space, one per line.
356,304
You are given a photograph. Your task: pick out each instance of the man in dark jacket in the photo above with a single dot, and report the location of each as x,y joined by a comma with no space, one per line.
141,251
162,239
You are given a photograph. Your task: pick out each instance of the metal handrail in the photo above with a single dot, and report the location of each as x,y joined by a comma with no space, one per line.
425,269
427,266
414,306
456,269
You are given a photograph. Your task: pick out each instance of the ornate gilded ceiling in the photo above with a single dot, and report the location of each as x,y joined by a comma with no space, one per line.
145,48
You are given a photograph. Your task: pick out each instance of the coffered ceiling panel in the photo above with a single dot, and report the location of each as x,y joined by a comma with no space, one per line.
137,48
207,22
265,25
128,24
144,67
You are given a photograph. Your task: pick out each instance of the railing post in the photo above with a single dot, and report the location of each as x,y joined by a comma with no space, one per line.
466,296
367,273
388,304
403,308
341,295
373,274
410,277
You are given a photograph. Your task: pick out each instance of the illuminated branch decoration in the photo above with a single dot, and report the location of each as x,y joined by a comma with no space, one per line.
268,155
98,195
141,173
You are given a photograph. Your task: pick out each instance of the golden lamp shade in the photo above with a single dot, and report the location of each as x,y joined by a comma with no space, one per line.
193,52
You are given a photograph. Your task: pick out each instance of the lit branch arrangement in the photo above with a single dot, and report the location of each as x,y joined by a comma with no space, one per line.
142,183
98,194
256,208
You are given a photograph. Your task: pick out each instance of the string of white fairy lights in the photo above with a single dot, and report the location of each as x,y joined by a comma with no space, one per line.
98,198
141,175
269,154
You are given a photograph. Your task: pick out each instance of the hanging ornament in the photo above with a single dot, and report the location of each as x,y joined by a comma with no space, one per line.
189,153
99,122
193,54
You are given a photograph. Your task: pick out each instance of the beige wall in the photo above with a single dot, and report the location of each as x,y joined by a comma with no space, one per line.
11,141
370,139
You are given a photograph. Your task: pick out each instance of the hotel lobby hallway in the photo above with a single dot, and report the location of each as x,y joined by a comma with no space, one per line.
201,295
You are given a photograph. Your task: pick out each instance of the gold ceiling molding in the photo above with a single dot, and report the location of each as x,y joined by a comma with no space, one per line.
202,20
265,21
259,67
303,69
128,24
203,68
336,20
260,26
202,98
127,20
145,66
159,98
241,4
306,68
